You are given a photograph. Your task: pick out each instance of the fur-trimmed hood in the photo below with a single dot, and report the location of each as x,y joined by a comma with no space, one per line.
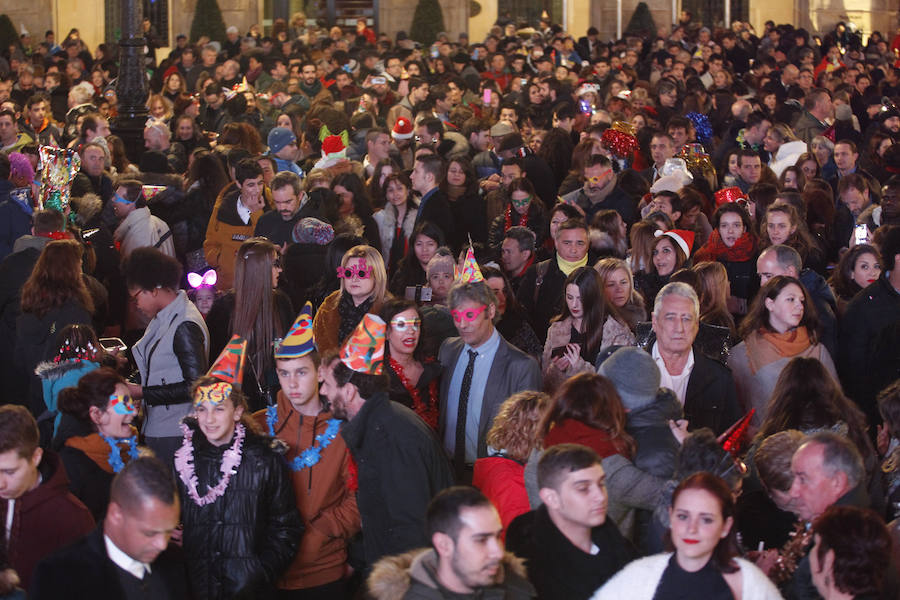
51,370
393,576
87,206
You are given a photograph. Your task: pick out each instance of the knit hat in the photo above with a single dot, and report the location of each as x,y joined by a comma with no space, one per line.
278,138
634,374
363,351
470,271
441,263
228,369
682,237
728,195
310,230
403,129
299,339
501,128
20,170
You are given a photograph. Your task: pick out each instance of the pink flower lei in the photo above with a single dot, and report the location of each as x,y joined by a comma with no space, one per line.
184,464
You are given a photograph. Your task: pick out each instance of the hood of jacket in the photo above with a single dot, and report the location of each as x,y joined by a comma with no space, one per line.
54,483
53,371
87,206
817,287
658,413
30,241
393,575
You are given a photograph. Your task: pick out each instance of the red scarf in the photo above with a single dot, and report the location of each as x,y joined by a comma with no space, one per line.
523,220
715,249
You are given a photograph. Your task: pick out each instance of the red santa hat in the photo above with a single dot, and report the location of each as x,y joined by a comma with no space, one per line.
403,129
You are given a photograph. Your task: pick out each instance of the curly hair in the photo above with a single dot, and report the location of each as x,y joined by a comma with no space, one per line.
841,279
515,427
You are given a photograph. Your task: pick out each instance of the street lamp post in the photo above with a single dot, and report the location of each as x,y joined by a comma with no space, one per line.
131,85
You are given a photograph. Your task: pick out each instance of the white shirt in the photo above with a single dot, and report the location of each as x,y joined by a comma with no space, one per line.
242,211
135,567
676,383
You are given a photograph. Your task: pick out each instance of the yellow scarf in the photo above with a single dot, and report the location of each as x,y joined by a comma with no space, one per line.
567,267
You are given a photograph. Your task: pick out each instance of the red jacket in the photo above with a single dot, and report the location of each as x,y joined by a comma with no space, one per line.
327,506
502,480
44,519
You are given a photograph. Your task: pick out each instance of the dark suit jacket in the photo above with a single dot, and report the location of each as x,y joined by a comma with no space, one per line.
512,371
436,210
711,397
84,571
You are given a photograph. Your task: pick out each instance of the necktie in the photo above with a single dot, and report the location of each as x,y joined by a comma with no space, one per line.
459,448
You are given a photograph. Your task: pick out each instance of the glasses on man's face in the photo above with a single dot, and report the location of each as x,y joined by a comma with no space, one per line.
350,272
134,296
402,325
468,315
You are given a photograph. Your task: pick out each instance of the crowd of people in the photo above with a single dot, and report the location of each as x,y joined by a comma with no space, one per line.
533,316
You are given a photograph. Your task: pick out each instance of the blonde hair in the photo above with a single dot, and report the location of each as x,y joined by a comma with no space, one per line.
607,266
373,259
515,427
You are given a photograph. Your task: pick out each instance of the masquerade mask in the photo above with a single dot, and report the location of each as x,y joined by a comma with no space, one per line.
402,324
122,405
469,315
214,394
207,279
363,271
520,203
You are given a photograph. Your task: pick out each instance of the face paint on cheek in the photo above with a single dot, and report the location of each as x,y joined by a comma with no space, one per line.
122,405
215,394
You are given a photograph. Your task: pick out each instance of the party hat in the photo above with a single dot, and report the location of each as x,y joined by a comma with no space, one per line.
683,237
470,271
150,191
728,195
299,339
363,351
229,367
734,437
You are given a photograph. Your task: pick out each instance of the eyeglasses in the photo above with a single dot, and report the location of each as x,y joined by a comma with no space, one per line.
401,324
349,272
468,315
134,296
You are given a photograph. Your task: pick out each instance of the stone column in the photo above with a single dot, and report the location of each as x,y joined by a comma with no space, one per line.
132,87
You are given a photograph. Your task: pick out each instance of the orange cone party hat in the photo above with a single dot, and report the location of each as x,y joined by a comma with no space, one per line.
470,271
229,367
363,351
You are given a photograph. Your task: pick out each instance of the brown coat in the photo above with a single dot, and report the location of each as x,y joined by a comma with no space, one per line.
224,237
327,323
327,506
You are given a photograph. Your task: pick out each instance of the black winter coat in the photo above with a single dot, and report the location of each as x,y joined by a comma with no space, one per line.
238,546
649,426
866,329
401,468
556,567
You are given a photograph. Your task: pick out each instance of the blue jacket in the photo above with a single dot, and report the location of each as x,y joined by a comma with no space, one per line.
15,219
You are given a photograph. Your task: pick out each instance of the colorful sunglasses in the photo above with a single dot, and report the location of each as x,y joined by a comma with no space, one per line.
214,394
363,272
122,404
402,325
468,315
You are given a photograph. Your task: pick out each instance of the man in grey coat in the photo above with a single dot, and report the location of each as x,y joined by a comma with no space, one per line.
481,370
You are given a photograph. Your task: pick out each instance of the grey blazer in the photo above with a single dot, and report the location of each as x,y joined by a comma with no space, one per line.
512,371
